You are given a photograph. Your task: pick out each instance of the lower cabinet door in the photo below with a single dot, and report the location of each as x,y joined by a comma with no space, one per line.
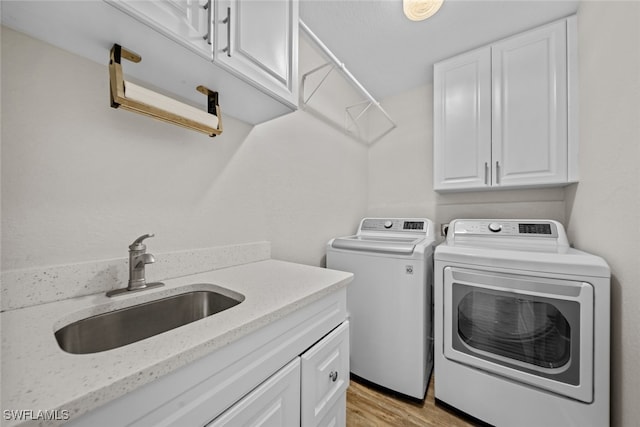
325,378
336,416
274,403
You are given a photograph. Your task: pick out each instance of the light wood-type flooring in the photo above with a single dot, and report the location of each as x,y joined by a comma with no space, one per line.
369,406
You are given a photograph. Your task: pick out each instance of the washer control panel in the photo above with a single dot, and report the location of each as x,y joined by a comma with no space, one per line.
394,224
517,228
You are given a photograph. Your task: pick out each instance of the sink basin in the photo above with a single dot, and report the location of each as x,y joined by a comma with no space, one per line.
128,325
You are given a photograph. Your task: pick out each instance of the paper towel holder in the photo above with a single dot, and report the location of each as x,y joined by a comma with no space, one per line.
135,98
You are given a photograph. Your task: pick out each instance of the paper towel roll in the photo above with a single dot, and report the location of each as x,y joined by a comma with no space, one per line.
137,93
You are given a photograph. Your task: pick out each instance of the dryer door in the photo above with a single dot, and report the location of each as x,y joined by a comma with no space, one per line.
534,330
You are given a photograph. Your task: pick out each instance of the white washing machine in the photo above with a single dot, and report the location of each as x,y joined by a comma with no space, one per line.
521,325
389,301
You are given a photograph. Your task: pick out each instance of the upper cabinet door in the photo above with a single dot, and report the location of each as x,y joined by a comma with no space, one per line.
258,40
185,21
462,121
529,122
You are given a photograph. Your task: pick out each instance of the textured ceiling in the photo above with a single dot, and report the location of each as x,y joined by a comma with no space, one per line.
389,54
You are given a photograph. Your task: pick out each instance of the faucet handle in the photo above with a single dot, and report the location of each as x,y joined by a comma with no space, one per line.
137,244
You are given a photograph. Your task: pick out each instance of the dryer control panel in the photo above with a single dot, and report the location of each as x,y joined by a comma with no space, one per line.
513,228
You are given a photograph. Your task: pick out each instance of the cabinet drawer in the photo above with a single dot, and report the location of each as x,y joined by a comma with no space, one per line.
325,375
275,402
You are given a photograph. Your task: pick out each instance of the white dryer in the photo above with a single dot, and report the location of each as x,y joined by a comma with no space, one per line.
389,301
521,325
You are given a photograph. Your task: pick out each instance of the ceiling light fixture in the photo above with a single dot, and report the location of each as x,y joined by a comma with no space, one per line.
418,10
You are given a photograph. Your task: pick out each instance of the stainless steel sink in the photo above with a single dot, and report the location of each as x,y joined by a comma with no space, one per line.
128,325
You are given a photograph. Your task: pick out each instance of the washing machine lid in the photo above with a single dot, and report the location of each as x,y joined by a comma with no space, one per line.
395,245
393,236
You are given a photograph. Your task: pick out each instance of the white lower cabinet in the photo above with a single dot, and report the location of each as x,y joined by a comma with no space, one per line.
336,416
310,391
276,402
291,372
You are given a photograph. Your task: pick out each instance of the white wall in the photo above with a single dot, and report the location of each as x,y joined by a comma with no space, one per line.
401,176
311,182
603,210
81,180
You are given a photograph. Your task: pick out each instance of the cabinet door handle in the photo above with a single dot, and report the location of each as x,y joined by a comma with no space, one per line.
497,172
486,173
333,375
207,36
227,21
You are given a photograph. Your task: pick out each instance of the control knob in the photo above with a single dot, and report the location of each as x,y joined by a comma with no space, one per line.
388,224
495,227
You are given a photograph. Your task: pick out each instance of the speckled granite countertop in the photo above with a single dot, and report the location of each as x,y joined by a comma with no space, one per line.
37,375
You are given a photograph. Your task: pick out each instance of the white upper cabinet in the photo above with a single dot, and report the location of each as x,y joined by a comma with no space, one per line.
186,21
502,113
176,39
258,39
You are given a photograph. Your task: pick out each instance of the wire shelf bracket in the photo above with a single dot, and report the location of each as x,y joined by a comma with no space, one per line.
357,119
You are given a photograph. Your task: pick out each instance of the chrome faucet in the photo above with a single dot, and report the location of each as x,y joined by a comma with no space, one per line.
138,259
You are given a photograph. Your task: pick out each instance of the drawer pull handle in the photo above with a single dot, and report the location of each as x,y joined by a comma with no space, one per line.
333,375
